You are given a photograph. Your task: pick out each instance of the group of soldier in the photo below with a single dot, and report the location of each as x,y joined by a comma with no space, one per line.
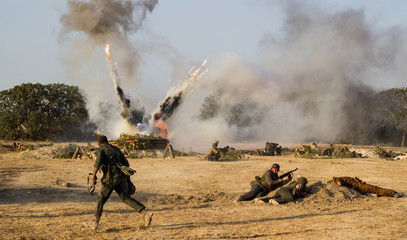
290,190
116,177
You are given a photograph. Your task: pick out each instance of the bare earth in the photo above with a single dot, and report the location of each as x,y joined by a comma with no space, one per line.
194,199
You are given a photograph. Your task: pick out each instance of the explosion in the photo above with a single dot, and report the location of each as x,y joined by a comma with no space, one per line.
173,99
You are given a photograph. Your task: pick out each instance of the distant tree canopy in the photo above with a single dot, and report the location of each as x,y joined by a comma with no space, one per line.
239,114
391,110
39,112
371,117
209,108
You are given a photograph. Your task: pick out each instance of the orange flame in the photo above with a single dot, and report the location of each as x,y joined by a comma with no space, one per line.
107,50
160,128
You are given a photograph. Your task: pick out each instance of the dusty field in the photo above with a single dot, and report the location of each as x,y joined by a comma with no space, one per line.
193,199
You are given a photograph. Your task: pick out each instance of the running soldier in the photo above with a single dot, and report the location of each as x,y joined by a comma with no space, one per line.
108,159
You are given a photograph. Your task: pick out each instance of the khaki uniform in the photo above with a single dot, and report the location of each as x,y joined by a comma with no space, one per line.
213,154
261,186
289,193
362,187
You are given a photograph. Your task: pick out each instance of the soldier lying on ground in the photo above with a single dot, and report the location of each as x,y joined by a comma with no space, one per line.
328,151
286,194
265,184
362,187
270,149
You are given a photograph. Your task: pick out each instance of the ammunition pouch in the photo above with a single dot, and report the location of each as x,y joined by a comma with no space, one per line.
256,179
125,170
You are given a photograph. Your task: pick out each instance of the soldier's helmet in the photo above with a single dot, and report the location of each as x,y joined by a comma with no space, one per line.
215,144
302,180
275,165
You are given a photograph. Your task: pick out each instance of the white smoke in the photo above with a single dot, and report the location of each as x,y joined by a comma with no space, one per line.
303,84
298,89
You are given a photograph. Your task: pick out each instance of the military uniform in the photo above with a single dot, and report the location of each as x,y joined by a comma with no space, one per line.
213,154
261,186
362,187
107,158
290,192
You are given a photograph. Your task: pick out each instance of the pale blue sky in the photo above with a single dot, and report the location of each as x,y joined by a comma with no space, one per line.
30,51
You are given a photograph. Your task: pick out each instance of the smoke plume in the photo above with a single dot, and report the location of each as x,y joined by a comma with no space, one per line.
87,27
309,85
101,21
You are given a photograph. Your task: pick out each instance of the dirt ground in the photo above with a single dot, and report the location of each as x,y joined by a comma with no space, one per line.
194,199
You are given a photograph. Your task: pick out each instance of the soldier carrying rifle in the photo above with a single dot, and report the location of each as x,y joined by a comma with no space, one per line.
115,167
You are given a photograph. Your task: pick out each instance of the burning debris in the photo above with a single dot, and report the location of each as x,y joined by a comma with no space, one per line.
179,90
166,110
174,98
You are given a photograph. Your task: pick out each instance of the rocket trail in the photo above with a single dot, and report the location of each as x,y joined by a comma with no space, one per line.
125,103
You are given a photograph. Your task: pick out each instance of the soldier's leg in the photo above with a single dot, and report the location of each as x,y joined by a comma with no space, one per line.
252,194
123,191
283,196
368,188
102,198
385,192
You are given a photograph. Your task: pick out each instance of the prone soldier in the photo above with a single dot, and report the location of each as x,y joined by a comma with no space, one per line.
362,187
269,181
295,189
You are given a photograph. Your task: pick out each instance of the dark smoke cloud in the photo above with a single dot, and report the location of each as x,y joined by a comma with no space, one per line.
101,21
87,27
311,83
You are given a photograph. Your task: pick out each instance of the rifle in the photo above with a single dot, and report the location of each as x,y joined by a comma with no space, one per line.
287,173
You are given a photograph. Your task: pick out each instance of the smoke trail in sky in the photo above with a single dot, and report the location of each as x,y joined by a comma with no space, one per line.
124,102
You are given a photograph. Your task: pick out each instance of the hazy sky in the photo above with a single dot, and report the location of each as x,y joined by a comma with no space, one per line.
274,56
30,51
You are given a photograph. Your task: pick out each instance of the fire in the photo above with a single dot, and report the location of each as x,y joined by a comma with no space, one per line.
160,128
107,50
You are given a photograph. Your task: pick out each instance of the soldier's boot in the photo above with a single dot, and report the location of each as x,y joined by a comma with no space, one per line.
397,195
274,202
259,200
95,224
148,216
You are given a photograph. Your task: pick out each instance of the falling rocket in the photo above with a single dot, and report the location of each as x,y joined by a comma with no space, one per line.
125,102
174,98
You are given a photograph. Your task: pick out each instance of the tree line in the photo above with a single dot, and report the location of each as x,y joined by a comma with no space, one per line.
58,112
44,112
371,117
